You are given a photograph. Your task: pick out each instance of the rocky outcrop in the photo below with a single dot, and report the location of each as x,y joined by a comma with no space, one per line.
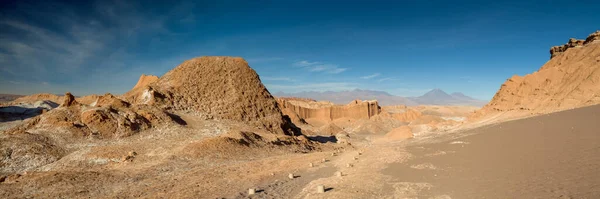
569,80
145,80
68,100
356,109
594,37
216,88
557,50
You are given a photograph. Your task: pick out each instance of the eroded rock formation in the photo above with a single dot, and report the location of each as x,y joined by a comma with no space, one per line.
557,50
306,109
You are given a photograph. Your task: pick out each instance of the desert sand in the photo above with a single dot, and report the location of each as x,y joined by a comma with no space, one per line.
209,128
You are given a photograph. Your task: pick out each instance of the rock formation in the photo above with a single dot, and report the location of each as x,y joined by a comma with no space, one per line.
569,80
111,117
556,50
356,109
68,100
216,88
594,37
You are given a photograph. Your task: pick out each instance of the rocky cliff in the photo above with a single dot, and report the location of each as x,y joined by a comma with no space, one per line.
324,111
568,80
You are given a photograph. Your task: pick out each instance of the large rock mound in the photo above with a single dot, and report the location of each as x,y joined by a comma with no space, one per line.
216,88
569,80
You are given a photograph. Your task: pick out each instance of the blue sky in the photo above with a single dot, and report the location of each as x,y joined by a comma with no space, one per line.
403,47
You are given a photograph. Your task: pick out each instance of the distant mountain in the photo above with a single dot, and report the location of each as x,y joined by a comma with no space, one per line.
433,97
439,97
345,97
461,96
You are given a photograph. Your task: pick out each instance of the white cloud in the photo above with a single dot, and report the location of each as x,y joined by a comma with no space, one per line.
370,76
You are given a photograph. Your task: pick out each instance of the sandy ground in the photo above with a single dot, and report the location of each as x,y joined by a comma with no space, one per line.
550,156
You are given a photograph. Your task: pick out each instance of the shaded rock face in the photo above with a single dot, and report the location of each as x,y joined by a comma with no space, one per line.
356,109
593,37
569,80
216,88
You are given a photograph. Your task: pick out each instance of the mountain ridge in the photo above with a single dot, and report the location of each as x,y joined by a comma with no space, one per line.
433,97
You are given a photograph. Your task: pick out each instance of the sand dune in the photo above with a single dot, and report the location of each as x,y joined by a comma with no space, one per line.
549,156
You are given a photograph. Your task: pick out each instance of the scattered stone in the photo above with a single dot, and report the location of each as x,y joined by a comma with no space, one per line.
349,165
310,165
291,176
132,153
355,158
338,174
251,191
320,189
324,160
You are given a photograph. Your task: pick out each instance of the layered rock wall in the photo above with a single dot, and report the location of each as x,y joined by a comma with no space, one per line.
356,110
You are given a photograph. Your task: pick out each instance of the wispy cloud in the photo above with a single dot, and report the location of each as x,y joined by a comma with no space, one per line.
320,67
304,63
327,86
277,79
386,79
370,76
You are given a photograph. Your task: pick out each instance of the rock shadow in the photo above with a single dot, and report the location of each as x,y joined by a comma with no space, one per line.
323,139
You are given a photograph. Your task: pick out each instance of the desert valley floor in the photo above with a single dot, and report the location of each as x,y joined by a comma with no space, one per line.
548,156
